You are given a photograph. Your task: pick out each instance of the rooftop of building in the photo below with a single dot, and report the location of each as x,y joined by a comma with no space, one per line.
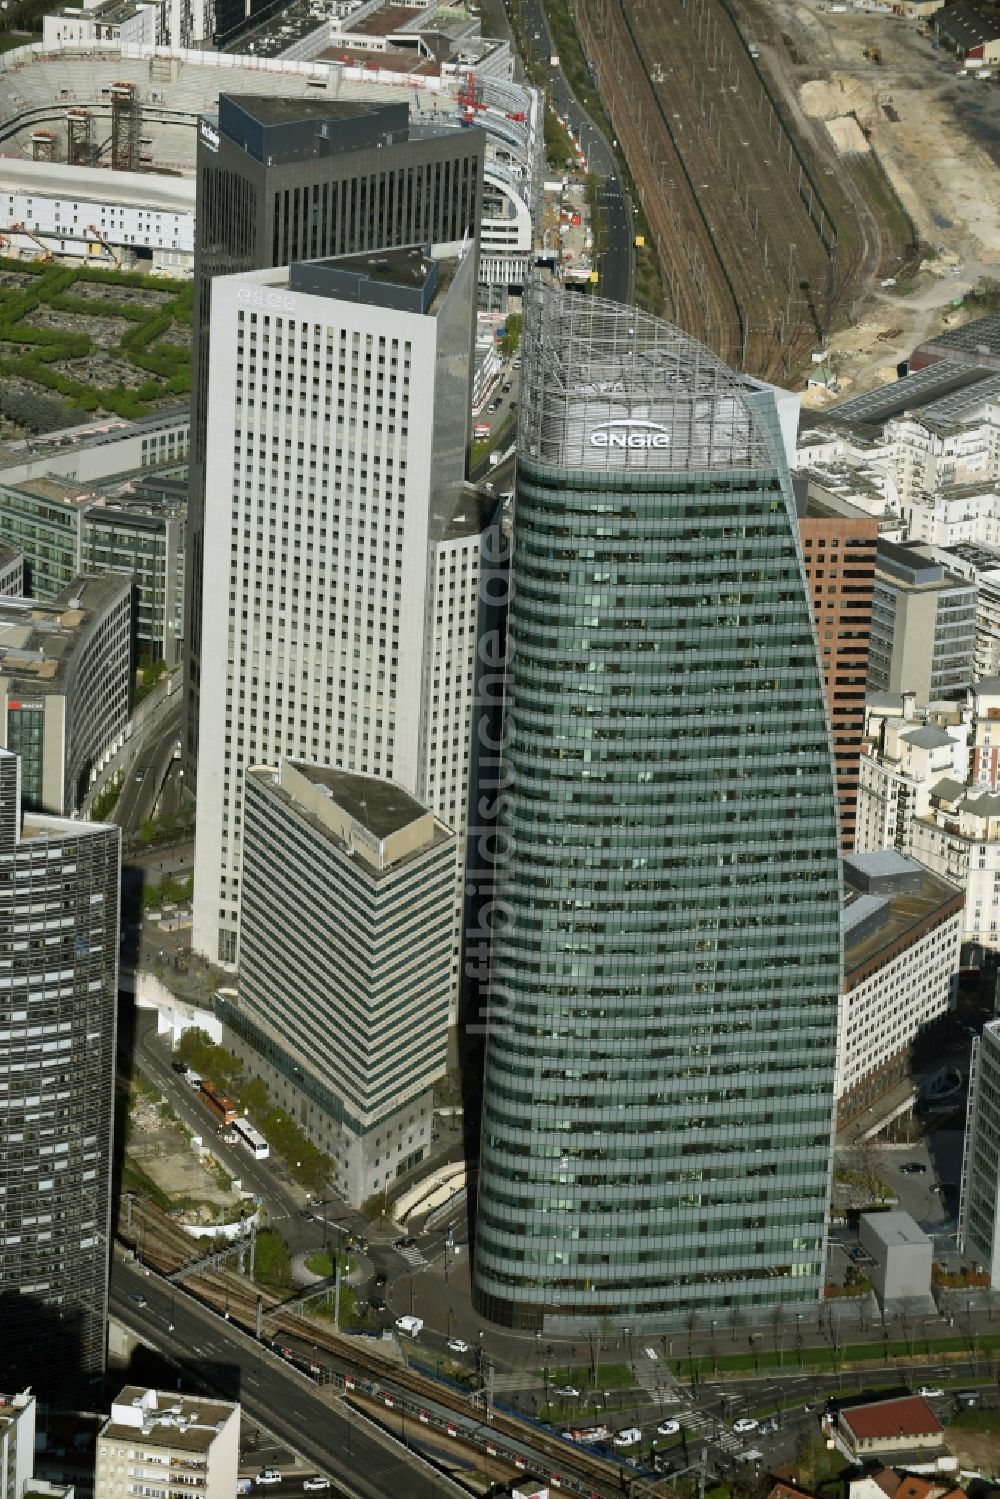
270,109
906,1416
912,566
89,434
895,1229
165,1419
874,407
139,496
912,1486
889,901
820,503
376,812
407,266
37,639
380,22
977,554
9,554
981,335
967,23
379,805
928,736
473,510
948,790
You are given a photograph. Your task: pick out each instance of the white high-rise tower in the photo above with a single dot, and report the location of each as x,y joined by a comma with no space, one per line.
335,501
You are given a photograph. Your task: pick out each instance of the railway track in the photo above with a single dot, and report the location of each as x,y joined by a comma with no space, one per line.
753,254
349,1366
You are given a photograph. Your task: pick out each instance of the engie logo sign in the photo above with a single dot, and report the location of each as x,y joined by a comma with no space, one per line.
210,135
626,433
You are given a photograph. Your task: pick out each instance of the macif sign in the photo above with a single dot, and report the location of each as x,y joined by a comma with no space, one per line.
629,433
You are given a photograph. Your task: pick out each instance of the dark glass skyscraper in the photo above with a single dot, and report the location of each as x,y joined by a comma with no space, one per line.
658,1092
283,180
58,990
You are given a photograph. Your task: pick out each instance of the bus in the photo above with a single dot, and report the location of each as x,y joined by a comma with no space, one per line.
223,1107
251,1139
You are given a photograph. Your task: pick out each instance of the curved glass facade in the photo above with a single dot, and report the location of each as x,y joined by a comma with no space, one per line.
666,957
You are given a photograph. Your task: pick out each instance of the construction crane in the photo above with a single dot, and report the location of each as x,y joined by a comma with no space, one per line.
30,234
93,229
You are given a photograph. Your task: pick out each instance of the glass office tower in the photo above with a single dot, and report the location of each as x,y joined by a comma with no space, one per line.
658,1090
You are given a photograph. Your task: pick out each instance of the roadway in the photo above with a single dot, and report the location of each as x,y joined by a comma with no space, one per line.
364,1463
616,267
148,769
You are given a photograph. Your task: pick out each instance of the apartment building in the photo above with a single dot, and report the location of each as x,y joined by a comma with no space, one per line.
979,1202
166,1444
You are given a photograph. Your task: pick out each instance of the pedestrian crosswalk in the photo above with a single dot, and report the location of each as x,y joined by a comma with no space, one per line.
413,1258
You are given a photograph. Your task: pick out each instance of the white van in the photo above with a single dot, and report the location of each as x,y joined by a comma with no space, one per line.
410,1325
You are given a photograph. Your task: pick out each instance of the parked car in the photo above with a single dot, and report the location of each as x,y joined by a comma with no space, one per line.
668,1428
913,1168
181,1068
930,1391
627,1437
744,1425
458,1345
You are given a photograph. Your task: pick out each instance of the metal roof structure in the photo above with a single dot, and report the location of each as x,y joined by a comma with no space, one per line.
609,387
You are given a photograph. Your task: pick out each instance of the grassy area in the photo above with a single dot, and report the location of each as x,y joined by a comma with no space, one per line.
60,359
788,1356
321,1263
8,42
609,1377
978,1420
883,199
150,676
560,151
170,891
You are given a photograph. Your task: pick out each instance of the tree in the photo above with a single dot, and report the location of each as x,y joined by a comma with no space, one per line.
253,1098
272,1261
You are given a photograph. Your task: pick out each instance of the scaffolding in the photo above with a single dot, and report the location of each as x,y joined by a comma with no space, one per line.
43,145
79,143
124,127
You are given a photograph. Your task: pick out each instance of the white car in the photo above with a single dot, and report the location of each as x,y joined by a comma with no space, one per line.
668,1428
745,1424
269,1475
568,1392
458,1345
317,1482
627,1437
930,1392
